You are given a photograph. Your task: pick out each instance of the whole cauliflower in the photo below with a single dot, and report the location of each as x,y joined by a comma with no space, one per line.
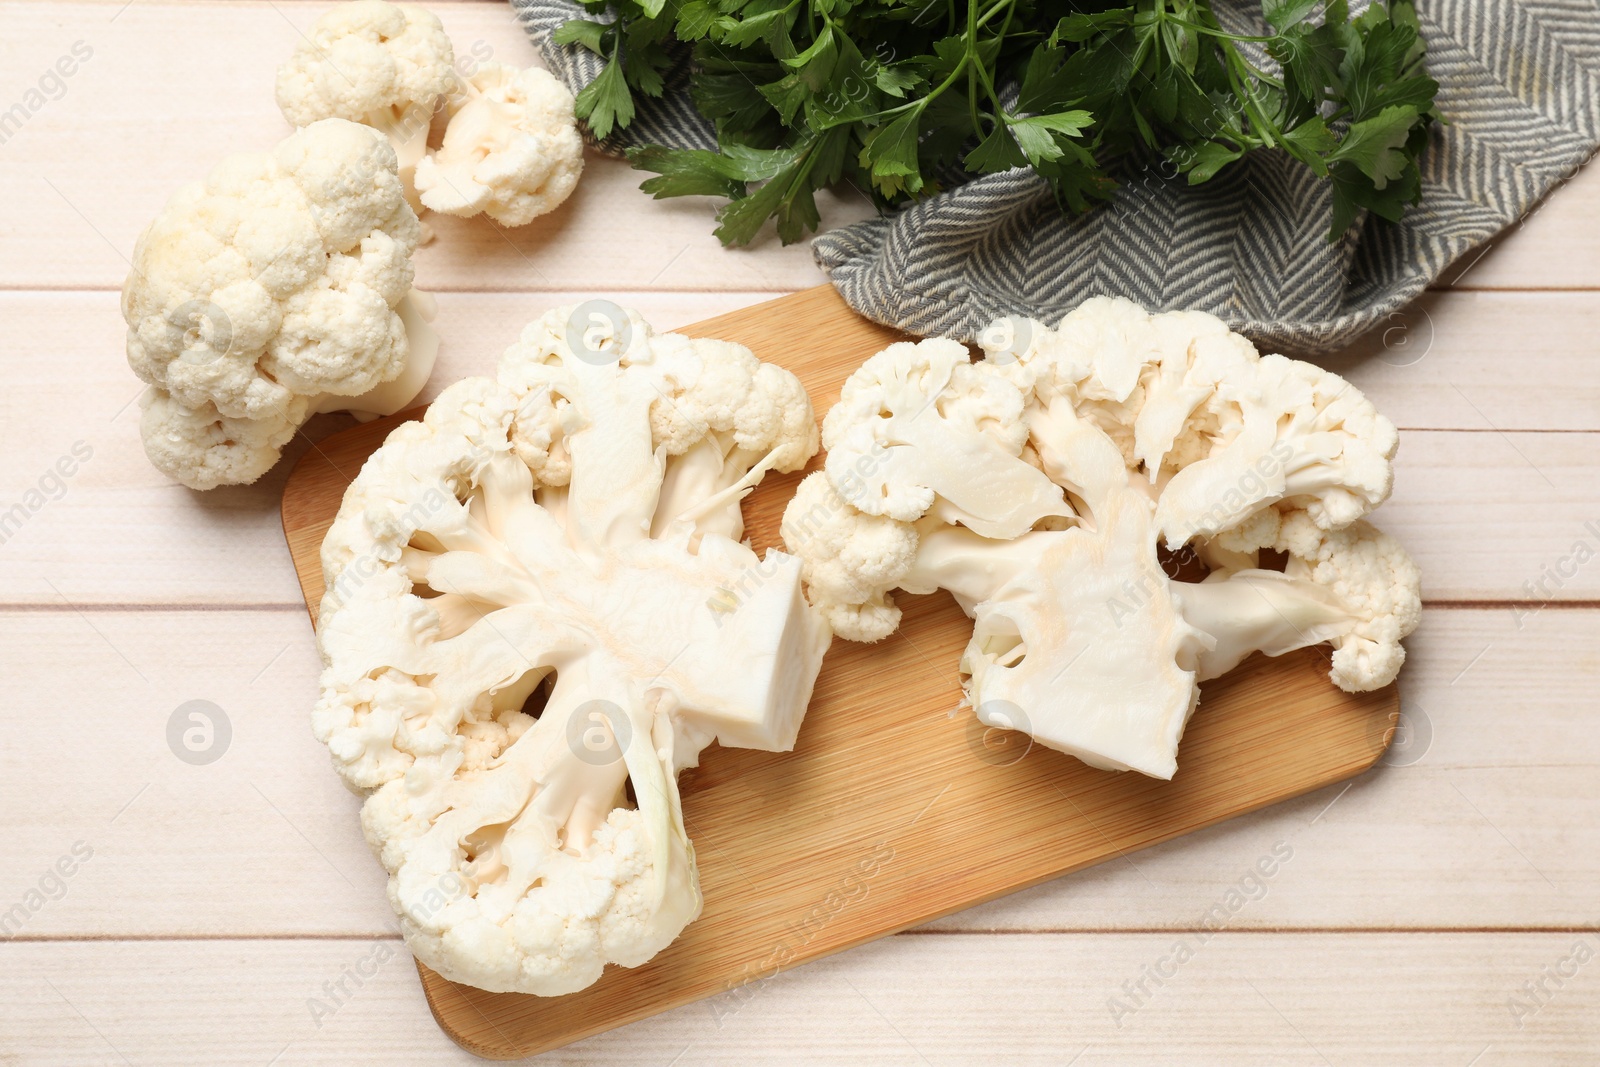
1039,485
277,288
511,151
384,65
538,611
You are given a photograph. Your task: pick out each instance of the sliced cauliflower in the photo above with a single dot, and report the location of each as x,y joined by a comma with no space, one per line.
511,151
530,616
1038,486
277,288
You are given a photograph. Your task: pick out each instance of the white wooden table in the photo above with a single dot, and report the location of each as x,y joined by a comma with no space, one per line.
221,904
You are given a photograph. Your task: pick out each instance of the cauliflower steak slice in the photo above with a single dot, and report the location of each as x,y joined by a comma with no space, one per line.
521,653
1096,443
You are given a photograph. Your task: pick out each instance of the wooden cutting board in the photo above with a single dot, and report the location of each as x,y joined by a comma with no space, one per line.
897,806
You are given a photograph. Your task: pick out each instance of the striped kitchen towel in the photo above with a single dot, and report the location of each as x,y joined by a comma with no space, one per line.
1520,89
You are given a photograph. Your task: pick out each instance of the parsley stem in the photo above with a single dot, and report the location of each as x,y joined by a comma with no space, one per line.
970,54
1211,31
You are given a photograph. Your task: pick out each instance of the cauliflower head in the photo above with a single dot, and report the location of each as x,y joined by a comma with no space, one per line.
1039,487
278,287
384,65
533,599
511,151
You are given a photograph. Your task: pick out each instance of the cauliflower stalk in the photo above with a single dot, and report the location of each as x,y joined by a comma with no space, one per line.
1039,485
535,596
277,288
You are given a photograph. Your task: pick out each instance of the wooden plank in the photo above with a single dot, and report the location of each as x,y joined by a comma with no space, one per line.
1476,360
1554,246
884,730
1434,1000
264,842
1508,506
1402,847
167,111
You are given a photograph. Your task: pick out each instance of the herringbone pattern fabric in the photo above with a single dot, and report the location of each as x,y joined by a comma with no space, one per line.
1520,88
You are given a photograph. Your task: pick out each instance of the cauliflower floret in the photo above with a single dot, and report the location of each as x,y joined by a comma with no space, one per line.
730,419
511,151
1299,434
919,428
1373,579
380,64
204,449
278,287
1354,588
850,559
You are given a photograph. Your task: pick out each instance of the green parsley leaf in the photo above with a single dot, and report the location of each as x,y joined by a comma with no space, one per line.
1202,163
685,172
582,32
997,151
1282,14
1376,146
1035,135
606,102
787,95
694,20
891,154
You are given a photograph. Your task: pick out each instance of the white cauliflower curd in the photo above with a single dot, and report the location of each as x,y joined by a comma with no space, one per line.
380,64
277,288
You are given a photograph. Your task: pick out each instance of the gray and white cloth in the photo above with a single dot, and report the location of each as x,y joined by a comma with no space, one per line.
1520,90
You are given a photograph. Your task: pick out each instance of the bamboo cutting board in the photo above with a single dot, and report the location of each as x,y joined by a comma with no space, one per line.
897,806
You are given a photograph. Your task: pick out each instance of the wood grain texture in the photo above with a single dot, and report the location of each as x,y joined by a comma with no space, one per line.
69,382
968,1000
265,842
886,813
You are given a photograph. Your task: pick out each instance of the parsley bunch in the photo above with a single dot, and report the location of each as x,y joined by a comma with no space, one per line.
899,97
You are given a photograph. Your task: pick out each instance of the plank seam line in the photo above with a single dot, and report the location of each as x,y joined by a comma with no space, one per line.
136,607
1489,429
1097,931
296,607
478,290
